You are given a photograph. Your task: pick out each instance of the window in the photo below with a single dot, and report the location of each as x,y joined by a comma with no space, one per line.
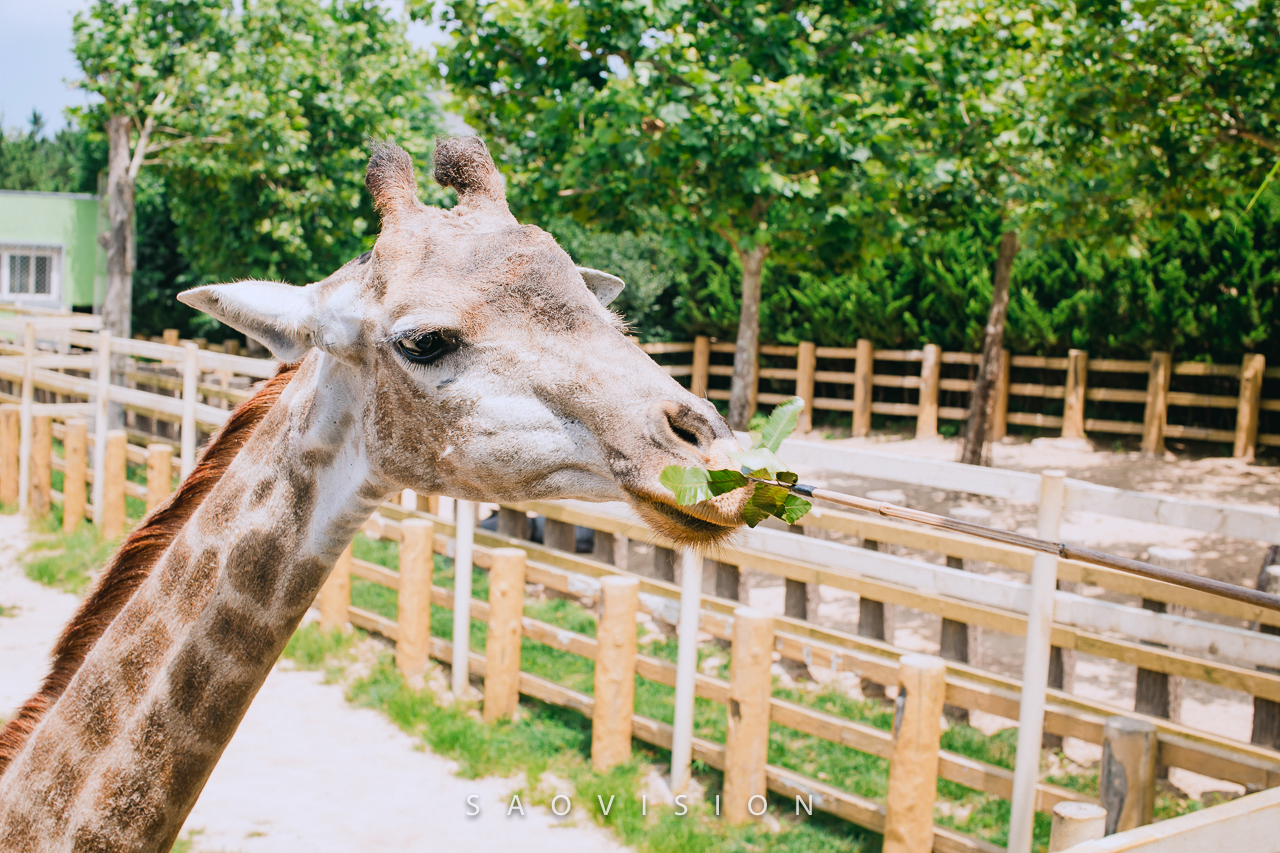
30,273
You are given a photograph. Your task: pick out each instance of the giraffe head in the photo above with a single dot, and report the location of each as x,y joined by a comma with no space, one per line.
488,365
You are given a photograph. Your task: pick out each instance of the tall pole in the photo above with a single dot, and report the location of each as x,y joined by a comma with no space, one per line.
686,669
464,548
1035,666
102,411
28,399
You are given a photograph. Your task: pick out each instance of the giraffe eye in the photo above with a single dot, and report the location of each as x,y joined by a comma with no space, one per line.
427,348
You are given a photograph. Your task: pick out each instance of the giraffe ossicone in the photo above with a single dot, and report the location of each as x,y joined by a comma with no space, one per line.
465,355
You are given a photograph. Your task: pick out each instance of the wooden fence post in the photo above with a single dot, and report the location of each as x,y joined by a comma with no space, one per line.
159,474
956,635
615,675
913,765
9,442
1127,780
75,444
806,366
114,477
862,378
513,523
1076,823
502,648
1266,713
1157,693
999,426
1156,413
170,337
1073,403
335,595
747,741
560,535
413,607
930,370
41,464
1251,371
701,365
728,579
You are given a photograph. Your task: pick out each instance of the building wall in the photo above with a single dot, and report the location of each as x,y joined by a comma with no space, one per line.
69,220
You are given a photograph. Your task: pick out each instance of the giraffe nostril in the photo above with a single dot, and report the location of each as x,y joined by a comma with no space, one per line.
685,435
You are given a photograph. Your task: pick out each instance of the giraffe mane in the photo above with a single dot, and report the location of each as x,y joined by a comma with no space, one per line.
134,560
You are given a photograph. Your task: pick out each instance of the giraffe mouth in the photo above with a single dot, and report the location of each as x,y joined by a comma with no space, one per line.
700,525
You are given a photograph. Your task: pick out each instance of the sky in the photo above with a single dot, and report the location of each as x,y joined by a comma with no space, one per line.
36,64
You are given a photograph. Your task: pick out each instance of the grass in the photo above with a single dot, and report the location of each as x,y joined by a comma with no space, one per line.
62,560
532,744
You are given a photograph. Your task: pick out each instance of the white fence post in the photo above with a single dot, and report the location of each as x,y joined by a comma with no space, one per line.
1035,666
464,548
190,390
686,669
28,393
102,411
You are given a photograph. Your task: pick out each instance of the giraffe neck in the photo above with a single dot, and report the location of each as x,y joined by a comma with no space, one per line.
120,758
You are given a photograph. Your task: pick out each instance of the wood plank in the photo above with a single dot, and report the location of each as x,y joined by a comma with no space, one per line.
1035,419
885,381
1116,365
1198,433
895,408
1115,395
1201,401
1030,389
1199,368
1122,427
1039,361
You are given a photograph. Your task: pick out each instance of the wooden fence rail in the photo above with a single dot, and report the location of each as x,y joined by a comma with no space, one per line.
1084,384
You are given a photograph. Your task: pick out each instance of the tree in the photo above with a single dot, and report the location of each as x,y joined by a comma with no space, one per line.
307,85
1174,106
29,161
145,59
740,121
259,114
975,139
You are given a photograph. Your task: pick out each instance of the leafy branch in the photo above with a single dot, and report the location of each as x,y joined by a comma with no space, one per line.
759,466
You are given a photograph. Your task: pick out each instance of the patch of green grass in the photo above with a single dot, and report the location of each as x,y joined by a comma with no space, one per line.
65,561
8,610
311,647
547,738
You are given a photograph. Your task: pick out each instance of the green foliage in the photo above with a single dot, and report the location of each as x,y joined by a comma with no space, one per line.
68,163
772,481
311,647
66,561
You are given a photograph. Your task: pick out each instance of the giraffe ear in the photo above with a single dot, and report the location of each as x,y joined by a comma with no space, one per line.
606,287
289,320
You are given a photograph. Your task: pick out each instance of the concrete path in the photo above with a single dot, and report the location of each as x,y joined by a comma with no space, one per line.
306,770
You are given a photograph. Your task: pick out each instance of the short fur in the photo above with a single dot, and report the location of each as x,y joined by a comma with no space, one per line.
135,558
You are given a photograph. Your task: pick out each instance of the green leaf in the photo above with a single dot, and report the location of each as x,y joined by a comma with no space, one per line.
782,422
758,462
787,477
689,485
767,500
794,508
692,485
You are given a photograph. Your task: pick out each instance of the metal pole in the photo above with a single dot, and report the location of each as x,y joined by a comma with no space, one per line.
190,390
464,548
101,413
686,669
1035,666
28,393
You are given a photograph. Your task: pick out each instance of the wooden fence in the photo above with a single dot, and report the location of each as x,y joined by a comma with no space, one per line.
1154,399
71,371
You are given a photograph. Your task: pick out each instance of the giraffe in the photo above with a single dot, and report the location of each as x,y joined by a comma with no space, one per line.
464,355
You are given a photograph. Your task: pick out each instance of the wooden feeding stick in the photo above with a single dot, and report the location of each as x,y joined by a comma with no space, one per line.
1058,549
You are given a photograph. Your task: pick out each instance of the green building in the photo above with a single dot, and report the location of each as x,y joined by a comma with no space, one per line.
49,251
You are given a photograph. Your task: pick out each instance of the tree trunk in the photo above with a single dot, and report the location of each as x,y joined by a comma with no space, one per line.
742,392
118,301
981,400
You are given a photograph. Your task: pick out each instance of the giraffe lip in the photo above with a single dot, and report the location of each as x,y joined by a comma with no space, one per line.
684,527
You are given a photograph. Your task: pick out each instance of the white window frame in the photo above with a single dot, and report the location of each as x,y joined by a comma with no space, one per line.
55,273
